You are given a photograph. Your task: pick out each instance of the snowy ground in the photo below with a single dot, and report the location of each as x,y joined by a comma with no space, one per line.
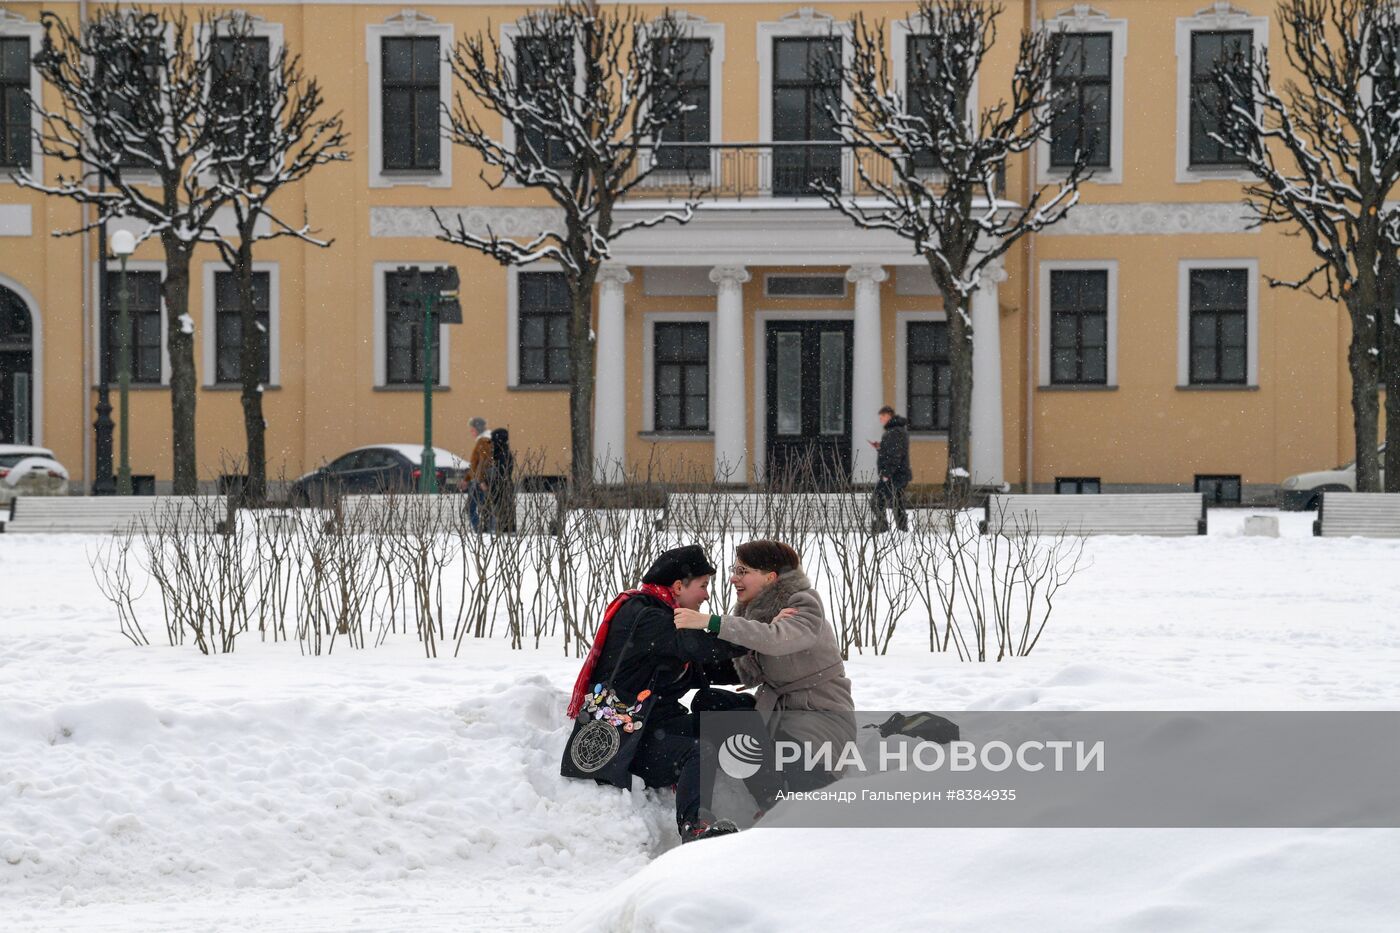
156,789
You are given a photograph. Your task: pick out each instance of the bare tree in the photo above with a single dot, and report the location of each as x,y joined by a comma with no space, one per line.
269,133
132,130
1325,150
587,93
933,163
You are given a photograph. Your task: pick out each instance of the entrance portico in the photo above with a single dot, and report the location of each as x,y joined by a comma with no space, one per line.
732,241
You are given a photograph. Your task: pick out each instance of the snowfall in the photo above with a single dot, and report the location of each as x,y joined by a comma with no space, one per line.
156,789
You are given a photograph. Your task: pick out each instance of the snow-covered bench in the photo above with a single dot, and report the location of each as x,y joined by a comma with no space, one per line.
1165,514
1361,514
534,512
113,514
767,514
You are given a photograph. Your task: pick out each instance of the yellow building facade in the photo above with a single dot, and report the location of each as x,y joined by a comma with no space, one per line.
769,316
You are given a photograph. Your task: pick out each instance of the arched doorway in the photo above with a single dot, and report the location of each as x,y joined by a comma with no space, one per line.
16,370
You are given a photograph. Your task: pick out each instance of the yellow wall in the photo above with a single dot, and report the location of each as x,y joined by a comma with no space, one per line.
1145,432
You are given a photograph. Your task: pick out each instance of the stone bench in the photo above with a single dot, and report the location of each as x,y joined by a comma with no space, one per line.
1162,514
767,514
112,514
1358,514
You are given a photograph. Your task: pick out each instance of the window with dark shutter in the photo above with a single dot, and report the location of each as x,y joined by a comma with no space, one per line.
16,148
228,326
537,63
1209,49
143,312
1083,74
544,311
1219,326
682,377
1079,327
411,69
930,377
688,60
403,320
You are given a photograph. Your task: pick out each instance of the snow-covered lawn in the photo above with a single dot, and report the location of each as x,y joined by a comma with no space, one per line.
157,789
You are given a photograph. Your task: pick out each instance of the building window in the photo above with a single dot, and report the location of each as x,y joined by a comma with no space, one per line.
930,378
241,78
1219,490
143,312
1209,49
1077,485
805,85
228,326
1219,311
920,94
15,134
411,69
1079,327
682,377
1083,73
536,64
403,320
544,312
689,61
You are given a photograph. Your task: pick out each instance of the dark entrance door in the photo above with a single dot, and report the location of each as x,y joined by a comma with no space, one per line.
16,370
809,401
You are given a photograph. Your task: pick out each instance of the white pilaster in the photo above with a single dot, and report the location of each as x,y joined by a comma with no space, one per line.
610,375
987,429
727,410
867,377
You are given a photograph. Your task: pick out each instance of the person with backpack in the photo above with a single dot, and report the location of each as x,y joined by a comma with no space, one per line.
639,668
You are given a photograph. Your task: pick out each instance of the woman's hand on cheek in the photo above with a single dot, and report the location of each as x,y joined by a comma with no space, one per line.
690,618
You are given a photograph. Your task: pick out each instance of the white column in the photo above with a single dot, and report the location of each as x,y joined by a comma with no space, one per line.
729,402
987,429
610,375
867,377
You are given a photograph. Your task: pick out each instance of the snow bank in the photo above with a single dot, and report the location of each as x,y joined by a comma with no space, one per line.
146,789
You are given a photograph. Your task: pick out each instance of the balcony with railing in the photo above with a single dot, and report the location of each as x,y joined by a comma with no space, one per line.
769,171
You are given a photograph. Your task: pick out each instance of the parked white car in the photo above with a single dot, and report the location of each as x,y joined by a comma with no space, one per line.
1305,490
30,471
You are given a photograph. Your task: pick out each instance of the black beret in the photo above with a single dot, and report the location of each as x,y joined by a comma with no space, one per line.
679,563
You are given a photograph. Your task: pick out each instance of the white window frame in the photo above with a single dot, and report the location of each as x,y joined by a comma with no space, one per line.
901,366
12,25
697,27
1082,18
133,265
274,323
404,24
1219,16
381,324
1049,266
1183,323
809,23
513,274
509,33
649,322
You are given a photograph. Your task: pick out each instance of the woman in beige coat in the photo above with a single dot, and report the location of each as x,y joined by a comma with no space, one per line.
794,659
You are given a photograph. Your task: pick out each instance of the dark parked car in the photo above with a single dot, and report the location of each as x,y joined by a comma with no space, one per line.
380,468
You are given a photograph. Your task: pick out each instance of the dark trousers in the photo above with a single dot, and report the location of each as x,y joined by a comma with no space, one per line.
476,502
888,495
765,785
669,754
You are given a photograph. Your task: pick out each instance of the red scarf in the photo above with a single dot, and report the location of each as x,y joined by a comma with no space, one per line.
584,685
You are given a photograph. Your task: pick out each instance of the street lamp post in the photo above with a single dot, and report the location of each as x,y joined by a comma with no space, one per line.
438,299
123,244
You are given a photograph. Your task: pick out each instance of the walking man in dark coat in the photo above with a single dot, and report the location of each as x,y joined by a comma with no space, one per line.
656,662
892,465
